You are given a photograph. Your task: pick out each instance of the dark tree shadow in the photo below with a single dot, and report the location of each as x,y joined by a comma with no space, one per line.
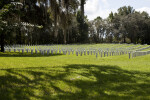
85,82
19,54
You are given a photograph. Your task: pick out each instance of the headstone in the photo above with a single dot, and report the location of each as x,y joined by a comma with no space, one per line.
40,51
35,51
96,54
52,52
81,53
68,52
32,51
65,52
48,51
59,51
101,53
22,51
14,50
129,55
27,50
44,51
9,50
76,53
85,52
104,53
72,51
88,52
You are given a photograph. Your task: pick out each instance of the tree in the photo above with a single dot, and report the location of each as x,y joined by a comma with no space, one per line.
6,23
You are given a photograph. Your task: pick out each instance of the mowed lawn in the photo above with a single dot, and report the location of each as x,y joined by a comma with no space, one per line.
71,77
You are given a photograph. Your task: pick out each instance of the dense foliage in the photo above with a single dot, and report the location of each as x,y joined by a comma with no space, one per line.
125,26
63,21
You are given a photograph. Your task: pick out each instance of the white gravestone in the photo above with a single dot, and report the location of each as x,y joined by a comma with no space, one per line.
107,53
9,50
88,52
14,50
22,51
81,53
68,52
48,52
32,51
85,52
35,51
129,55
96,55
76,53
104,53
52,52
94,52
72,51
101,53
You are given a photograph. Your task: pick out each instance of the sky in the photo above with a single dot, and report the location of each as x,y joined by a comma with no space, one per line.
102,8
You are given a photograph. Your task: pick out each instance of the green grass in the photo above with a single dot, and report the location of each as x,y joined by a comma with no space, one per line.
71,77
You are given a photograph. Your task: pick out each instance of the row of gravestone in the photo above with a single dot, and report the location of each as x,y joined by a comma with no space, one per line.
80,52
54,48
43,46
47,46
106,49
138,53
143,48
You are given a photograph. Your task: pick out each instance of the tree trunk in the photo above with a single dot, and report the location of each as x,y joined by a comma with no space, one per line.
124,38
131,40
82,38
55,24
82,9
64,31
68,37
2,42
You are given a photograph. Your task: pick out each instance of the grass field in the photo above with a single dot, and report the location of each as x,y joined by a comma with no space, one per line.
71,77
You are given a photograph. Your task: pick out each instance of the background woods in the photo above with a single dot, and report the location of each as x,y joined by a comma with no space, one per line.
63,21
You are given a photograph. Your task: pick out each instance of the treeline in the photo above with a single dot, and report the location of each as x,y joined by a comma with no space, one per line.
125,26
42,22
64,22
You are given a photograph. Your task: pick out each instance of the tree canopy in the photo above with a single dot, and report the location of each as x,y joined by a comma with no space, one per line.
63,21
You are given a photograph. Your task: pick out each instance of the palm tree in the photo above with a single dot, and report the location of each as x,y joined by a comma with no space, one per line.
82,9
62,14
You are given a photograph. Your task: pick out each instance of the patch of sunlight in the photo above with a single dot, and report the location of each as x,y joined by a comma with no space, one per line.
93,93
79,71
38,92
121,94
108,92
83,76
65,87
103,72
3,72
94,69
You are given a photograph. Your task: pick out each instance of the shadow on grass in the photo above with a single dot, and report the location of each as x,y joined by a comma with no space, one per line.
74,82
19,54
